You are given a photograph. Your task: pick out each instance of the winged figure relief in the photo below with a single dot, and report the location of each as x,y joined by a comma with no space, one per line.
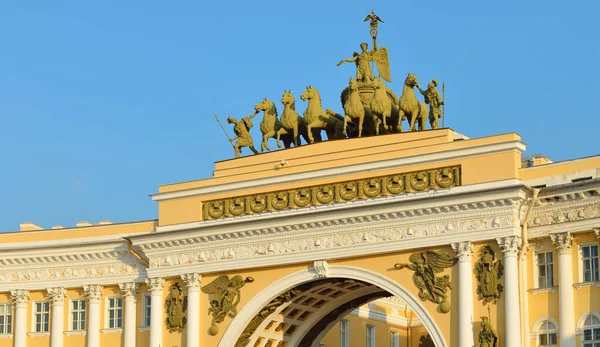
224,296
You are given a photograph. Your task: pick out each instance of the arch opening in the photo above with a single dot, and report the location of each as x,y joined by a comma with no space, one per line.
298,310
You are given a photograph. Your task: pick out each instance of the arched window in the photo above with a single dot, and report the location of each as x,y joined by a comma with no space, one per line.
591,332
547,334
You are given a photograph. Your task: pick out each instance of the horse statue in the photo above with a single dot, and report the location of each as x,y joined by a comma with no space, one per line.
291,122
319,119
411,108
354,109
270,124
383,108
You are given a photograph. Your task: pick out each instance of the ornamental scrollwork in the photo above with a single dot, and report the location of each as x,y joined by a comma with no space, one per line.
224,296
367,188
426,265
488,271
176,305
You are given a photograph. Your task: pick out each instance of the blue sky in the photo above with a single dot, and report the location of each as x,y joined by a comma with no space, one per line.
100,103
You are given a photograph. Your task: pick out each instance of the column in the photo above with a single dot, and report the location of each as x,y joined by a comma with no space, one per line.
94,293
156,318
465,293
129,291
20,297
510,246
193,310
57,296
566,305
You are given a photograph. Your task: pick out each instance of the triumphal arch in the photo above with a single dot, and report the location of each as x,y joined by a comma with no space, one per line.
454,241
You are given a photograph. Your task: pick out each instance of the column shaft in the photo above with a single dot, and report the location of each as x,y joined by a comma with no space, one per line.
129,291
58,315
465,293
94,293
510,246
566,305
20,336
193,312
156,305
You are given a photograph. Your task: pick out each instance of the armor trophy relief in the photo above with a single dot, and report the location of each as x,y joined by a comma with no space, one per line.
369,106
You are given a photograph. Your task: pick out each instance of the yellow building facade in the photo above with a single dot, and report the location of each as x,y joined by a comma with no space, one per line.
373,241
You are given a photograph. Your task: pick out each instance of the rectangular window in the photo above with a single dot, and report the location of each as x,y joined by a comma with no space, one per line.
5,318
146,309
370,336
115,312
344,333
545,264
394,339
78,314
41,316
590,263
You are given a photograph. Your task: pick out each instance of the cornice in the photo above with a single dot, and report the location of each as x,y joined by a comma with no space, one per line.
398,163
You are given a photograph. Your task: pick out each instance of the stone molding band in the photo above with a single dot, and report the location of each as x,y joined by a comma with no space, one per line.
368,188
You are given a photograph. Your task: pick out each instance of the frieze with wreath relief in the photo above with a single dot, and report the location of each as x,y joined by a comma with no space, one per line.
334,193
333,240
69,273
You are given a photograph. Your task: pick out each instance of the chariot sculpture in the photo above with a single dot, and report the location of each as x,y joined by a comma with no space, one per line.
369,106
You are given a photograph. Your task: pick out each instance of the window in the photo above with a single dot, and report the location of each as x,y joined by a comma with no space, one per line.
78,314
547,334
344,333
370,336
146,309
590,263
41,316
115,312
545,264
394,339
5,318
591,331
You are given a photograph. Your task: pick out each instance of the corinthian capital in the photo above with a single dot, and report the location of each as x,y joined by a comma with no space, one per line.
20,296
57,295
562,241
464,249
93,292
510,245
155,284
597,231
192,280
129,289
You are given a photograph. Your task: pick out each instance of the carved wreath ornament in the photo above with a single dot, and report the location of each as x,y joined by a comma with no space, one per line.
332,193
224,296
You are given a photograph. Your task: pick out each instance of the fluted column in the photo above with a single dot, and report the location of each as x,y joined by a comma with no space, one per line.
510,246
21,297
465,293
94,294
566,305
129,291
156,318
193,309
57,295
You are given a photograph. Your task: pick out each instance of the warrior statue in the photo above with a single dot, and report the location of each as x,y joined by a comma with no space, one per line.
488,337
434,100
242,134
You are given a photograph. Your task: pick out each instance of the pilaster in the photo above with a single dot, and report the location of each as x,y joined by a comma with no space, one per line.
566,306
192,280
510,246
464,252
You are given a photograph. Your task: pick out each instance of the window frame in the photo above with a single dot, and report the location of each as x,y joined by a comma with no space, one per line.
34,314
8,307
107,310
537,267
592,328
85,314
394,338
371,342
581,260
146,310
